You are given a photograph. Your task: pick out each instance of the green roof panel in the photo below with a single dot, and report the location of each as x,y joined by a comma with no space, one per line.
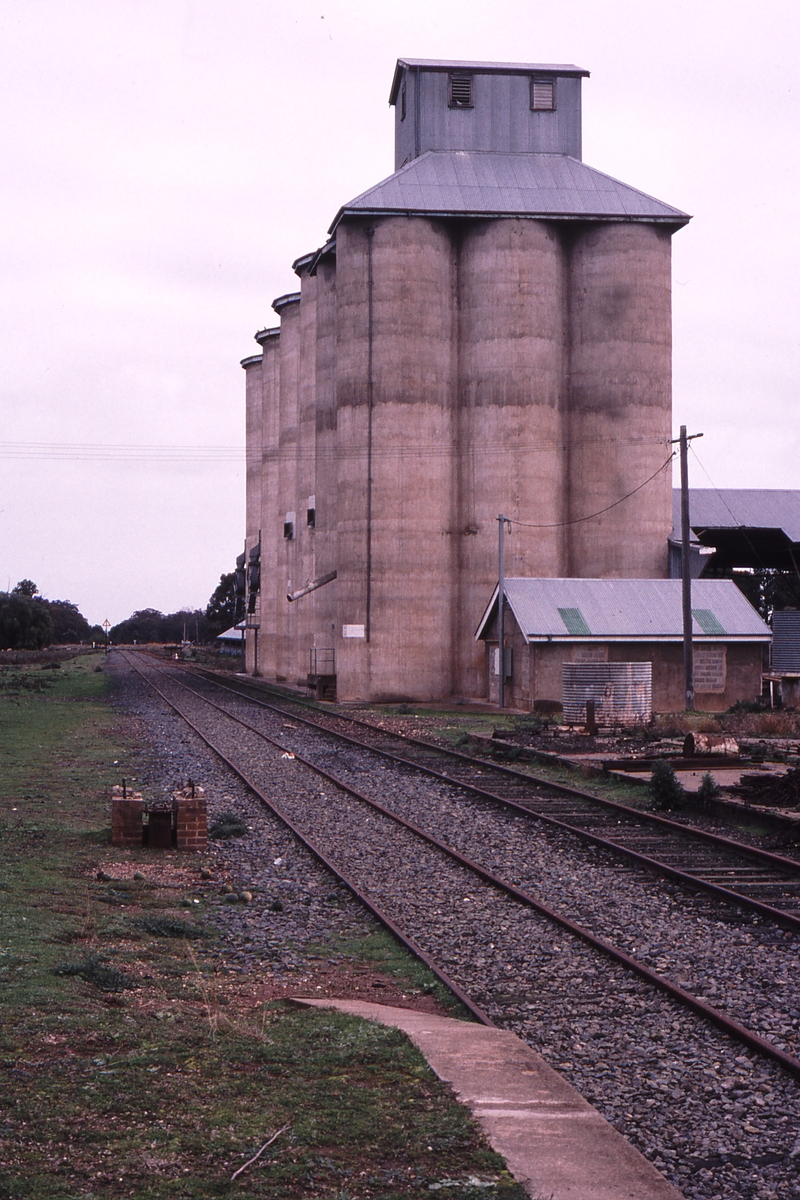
708,622
575,622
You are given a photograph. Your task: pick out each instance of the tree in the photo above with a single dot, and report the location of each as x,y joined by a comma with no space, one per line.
221,610
24,623
26,587
69,624
150,625
768,589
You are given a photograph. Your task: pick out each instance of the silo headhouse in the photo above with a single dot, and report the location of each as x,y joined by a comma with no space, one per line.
486,331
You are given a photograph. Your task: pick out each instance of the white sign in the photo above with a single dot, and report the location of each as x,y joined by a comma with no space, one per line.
356,631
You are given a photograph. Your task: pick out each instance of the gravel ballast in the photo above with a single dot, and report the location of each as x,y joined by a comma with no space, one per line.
717,1120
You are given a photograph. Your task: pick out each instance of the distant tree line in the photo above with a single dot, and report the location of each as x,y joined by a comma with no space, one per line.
195,624
30,622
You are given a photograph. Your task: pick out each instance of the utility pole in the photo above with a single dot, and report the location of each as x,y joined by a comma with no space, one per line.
686,577
501,596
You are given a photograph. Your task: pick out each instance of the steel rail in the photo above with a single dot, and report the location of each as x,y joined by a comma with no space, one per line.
352,887
657,866
716,839
714,1015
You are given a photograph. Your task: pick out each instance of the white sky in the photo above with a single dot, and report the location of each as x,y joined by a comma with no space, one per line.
162,162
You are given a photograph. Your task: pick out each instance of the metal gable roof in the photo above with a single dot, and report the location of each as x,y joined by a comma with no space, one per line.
487,183
740,508
628,609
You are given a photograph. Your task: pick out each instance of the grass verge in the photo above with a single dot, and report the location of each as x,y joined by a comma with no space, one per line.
127,1070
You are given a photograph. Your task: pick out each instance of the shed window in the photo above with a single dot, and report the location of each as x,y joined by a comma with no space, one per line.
460,91
543,95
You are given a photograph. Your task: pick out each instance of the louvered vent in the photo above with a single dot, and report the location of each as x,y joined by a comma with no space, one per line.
543,95
460,91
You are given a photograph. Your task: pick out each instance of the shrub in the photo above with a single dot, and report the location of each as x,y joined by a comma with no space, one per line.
227,825
665,787
709,788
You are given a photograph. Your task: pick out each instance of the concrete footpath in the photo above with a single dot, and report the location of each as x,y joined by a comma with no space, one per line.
556,1145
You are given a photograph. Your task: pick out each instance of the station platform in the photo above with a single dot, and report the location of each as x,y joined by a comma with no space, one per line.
555,1143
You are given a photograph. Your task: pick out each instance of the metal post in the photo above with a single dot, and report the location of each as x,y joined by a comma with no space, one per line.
686,578
501,624
370,410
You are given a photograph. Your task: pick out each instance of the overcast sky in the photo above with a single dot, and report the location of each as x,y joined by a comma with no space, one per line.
163,162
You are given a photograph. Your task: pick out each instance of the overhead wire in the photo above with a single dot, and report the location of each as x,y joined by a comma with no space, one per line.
600,511
109,452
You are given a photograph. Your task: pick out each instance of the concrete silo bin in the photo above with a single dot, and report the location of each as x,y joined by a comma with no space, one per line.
512,394
396,357
620,399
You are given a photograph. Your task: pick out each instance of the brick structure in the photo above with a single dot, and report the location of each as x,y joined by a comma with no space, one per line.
189,808
126,818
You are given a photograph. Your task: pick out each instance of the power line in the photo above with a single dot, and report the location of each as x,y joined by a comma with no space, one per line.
600,511
104,452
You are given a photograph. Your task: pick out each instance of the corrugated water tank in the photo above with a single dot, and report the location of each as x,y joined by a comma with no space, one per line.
622,692
786,641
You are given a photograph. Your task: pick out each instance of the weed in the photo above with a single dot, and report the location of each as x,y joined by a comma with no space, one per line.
227,825
665,788
94,970
531,724
163,926
747,706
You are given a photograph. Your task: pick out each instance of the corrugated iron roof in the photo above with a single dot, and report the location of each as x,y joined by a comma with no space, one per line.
485,183
740,508
636,609
483,68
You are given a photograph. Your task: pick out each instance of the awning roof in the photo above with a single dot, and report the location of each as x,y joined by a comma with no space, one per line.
740,508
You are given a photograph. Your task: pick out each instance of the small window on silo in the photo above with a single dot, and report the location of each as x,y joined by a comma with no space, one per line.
543,95
460,91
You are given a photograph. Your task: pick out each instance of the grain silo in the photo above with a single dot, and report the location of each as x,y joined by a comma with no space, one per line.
486,331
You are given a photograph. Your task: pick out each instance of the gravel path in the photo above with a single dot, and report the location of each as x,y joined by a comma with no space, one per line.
718,1122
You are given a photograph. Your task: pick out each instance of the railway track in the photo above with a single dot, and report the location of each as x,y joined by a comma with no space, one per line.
752,878
195,707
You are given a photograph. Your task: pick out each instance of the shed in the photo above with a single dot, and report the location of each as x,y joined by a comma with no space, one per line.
550,622
231,641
